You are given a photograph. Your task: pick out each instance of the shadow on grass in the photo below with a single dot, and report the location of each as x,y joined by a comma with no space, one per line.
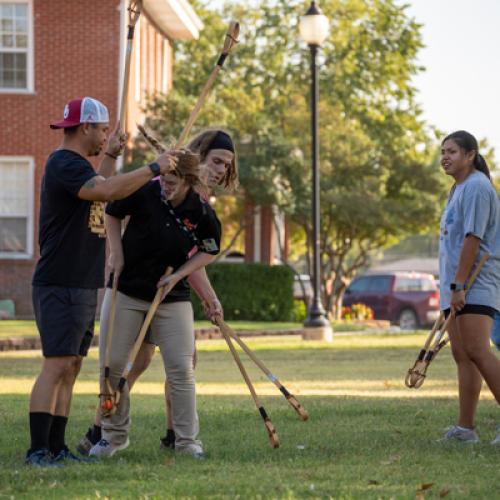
289,365
348,446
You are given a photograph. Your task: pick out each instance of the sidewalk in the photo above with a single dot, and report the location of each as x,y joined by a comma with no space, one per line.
33,343
206,332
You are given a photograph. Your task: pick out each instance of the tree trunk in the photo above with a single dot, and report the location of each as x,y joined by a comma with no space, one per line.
338,305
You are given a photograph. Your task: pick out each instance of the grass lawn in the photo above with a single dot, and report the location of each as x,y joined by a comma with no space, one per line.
367,437
20,328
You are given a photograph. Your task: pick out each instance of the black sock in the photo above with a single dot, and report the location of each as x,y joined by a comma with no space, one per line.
57,434
170,433
95,434
40,424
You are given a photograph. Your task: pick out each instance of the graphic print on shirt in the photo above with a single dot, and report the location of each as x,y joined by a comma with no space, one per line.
448,221
189,224
96,219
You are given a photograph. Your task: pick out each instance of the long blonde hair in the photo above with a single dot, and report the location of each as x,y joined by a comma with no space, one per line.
188,169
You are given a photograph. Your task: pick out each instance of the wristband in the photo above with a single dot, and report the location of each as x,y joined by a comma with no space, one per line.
458,287
111,156
155,168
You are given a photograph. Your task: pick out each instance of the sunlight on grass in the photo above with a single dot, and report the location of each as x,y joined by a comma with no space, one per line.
340,341
368,436
393,388
27,328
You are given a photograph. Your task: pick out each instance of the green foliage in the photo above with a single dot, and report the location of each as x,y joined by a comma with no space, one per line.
299,311
252,292
379,177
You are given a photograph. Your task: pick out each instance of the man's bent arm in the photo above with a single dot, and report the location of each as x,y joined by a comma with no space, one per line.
120,186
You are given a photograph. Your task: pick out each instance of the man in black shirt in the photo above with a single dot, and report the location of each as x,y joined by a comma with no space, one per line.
71,264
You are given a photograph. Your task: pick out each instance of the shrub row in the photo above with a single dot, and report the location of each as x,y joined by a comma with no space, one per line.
251,292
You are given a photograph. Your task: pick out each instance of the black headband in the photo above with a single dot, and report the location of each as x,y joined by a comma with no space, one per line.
222,141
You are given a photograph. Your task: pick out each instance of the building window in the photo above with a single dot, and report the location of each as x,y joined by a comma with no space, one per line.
16,207
15,46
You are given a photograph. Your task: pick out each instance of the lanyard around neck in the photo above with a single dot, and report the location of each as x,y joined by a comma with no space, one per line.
190,234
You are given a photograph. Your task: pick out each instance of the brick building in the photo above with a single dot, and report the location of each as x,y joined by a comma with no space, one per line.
266,235
52,51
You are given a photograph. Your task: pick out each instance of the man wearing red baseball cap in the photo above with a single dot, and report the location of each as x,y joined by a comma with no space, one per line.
71,264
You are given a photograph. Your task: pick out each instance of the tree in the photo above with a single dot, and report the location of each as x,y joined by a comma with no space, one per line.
378,178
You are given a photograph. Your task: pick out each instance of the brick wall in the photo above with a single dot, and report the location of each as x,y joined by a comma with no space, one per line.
76,47
263,233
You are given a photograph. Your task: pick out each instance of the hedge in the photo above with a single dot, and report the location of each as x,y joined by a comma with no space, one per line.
251,292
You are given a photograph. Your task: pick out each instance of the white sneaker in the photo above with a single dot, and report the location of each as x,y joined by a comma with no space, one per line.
456,433
496,441
106,449
194,450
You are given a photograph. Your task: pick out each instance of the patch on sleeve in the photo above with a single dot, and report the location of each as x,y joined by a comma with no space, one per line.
209,245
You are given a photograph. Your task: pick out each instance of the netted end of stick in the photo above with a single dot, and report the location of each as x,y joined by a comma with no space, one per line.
303,415
107,405
118,395
151,140
187,161
416,376
231,37
273,435
134,10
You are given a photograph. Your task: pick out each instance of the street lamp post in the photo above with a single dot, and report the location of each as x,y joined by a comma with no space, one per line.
313,30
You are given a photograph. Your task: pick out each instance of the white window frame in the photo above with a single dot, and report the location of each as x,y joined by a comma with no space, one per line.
30,63
165,76
138,61
28,254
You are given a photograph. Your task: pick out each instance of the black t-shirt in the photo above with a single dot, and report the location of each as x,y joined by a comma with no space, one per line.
72,246
154,240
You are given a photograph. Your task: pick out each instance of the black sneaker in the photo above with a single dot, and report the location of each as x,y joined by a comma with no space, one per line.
168,442
83,447
66,456
41,458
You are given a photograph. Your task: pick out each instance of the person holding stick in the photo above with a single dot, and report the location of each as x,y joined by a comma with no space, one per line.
470,227
71,264
169,225
218,160
230,39
219,169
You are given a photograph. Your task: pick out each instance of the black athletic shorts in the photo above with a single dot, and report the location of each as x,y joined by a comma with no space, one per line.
473,309
65,319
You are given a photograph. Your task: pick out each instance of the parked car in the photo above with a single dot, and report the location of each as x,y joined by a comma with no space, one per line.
407,299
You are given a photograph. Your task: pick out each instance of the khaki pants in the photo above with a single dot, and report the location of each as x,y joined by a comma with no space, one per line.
173,331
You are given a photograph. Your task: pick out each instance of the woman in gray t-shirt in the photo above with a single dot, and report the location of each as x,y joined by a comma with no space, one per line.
470,227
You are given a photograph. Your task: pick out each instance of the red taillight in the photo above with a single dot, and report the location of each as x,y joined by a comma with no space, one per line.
434,300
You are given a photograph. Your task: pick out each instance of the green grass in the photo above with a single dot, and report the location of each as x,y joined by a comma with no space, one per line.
368,436
20,328
17,328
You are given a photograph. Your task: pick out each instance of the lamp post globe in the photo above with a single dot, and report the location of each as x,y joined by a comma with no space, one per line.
313,29
314,26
